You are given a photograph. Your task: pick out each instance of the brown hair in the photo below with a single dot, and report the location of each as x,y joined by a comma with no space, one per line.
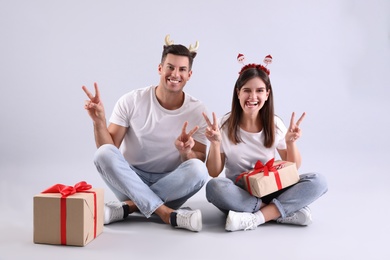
266,113
178,49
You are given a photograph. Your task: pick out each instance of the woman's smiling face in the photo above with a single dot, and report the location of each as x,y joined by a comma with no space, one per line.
252,95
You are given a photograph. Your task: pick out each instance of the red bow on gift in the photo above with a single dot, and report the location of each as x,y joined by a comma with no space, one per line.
260,167
66,191
269,166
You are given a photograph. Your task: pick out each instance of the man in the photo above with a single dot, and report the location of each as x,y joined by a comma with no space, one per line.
145,155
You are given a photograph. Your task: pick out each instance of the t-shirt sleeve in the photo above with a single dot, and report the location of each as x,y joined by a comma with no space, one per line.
281,131
121,113
199,135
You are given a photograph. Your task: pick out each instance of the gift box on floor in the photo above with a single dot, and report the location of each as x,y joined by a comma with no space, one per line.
67,215
268,178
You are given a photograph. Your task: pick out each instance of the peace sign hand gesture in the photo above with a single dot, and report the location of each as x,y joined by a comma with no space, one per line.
212,131
294,132
94,105
185,142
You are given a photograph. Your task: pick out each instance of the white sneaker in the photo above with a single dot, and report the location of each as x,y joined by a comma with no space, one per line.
113,212
189,219
240,221
302,217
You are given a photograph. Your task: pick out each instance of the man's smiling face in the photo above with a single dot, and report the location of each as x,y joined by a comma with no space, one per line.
174,72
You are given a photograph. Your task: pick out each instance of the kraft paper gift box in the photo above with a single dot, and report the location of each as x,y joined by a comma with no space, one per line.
66,215
268,178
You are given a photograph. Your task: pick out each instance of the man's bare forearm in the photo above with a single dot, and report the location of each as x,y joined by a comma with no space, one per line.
102,136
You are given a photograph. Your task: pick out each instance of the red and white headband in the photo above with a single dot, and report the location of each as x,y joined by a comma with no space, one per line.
267,60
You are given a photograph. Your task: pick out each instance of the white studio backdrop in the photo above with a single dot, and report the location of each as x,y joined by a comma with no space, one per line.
331,59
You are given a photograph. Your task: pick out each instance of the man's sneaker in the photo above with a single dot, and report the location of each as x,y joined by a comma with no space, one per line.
240,221
302,217
113,212
187,219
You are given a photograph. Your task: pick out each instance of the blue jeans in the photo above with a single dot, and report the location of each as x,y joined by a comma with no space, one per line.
226,195
147,190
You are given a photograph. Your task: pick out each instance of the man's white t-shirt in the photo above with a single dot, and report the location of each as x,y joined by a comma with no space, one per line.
149,143
243,156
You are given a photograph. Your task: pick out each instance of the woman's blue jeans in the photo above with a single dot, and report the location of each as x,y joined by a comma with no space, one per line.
226,195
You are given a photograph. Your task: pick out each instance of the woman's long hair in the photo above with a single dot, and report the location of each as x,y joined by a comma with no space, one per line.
266,113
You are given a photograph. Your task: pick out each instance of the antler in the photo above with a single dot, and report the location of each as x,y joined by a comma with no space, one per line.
194,48
168,41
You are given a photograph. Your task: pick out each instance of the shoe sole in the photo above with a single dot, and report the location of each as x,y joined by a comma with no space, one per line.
198,223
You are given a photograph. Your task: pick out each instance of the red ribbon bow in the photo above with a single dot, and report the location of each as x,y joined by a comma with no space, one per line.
260,167
269,166
66,191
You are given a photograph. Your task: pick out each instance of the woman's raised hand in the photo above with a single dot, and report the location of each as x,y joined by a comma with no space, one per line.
212,131
293,131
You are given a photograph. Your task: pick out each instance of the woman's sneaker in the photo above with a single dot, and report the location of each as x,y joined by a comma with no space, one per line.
240,221
302,217
187,219
114,211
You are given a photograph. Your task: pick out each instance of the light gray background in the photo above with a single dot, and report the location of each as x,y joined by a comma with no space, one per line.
331,60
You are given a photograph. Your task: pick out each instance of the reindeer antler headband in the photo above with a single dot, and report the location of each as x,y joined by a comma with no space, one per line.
267,60
191,48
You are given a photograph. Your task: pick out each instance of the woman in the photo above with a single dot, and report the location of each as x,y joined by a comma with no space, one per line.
252,132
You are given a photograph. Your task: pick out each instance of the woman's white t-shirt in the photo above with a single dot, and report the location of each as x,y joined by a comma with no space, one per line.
243,156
